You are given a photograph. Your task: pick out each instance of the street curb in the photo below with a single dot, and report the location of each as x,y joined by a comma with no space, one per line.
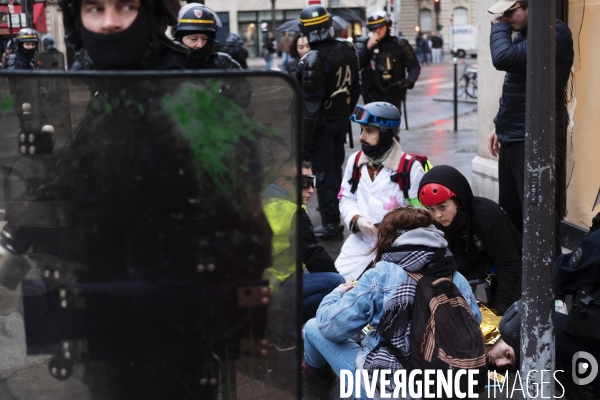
469,101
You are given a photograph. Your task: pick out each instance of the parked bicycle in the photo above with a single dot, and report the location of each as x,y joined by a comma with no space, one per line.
467,84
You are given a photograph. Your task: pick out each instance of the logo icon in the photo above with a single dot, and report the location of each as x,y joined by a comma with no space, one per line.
198,13
580,367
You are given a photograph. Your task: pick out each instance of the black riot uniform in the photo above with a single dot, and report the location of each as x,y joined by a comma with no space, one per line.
23,58
329,80
236,50
389,68
197,18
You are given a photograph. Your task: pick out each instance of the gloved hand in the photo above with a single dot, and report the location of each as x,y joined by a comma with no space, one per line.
405,84
367,226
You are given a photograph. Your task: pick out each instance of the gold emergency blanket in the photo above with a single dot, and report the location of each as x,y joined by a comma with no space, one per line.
489,326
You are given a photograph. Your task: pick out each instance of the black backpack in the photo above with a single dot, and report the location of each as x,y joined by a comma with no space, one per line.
444,333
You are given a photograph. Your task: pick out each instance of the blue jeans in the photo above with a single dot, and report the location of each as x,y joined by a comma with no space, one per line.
285,57
269,60
315,286
318,351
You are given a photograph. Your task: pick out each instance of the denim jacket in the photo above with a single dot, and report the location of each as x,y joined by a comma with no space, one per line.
342,315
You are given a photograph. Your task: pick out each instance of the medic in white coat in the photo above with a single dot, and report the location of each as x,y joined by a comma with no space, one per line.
363,204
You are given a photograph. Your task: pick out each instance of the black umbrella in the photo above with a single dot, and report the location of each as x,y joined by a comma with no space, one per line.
339,23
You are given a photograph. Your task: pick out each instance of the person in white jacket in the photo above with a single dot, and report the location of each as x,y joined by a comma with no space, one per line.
371,185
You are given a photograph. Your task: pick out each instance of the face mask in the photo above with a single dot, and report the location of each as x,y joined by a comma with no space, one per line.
199,56
29,52
383,145
123,50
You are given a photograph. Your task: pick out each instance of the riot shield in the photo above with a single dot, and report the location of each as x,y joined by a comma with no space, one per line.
50,60
137,253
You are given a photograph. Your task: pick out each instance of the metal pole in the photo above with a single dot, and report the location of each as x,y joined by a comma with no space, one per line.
537,323
25,10
397,5
455,62
389,7
10,29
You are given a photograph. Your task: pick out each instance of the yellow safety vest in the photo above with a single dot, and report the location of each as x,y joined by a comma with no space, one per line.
280,214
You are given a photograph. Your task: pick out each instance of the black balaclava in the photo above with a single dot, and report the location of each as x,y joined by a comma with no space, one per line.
451,178
198,57
28,52
123,50
383,145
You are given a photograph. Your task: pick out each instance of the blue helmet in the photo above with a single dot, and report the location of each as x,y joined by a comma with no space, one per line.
48,42
379,114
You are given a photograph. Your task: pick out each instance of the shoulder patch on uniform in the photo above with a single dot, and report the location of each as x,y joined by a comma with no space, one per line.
576,258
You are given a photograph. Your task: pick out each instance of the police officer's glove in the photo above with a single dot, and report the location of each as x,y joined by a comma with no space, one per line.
405,84
367,226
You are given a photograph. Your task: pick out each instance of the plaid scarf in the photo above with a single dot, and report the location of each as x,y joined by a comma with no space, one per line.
394,326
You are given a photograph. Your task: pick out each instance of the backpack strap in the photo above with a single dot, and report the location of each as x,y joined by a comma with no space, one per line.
355,173
402,177
414,275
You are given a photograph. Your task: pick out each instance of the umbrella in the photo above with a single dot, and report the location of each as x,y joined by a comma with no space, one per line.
339,23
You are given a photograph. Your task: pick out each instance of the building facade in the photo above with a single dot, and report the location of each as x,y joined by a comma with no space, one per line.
34,17
246,18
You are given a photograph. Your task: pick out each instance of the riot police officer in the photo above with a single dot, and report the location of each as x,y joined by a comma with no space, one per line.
27,47
388,64
236,50
330,85
117,35
197,28
50,57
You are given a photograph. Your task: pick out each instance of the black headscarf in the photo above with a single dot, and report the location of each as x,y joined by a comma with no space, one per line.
451,178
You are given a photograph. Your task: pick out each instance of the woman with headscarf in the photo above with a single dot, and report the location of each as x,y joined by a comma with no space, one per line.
478,232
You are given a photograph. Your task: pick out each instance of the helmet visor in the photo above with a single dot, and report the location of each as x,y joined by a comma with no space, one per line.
360,115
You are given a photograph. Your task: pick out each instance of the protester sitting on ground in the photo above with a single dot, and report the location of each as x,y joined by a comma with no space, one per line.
368,191
281,210
479,234
298,49
407,243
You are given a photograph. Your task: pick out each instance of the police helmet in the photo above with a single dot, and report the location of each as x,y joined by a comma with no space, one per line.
377,19
233,39
379,114
27,35
164,13
197,18
434,193
313,18
48,42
